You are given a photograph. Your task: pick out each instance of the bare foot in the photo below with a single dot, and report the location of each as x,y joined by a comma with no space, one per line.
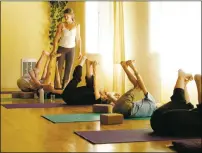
83,60
88,61
188,77
130,62
94,63
45,53
181,73
123,63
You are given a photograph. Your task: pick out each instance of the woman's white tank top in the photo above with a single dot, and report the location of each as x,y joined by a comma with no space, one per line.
68,39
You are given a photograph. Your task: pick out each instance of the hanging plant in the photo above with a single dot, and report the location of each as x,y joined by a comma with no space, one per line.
56,15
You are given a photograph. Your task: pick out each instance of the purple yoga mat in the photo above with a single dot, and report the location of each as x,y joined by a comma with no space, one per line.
33,105
122,136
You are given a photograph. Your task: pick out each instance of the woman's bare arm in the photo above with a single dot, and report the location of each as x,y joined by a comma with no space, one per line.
78,39
57,37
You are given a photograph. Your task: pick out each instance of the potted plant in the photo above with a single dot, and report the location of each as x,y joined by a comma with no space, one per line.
56,15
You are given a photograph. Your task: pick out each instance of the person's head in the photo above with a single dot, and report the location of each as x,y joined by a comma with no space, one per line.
103,96
69,15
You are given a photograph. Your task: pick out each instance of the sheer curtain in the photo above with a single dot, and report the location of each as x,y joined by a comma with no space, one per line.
119,47
175,34
105,38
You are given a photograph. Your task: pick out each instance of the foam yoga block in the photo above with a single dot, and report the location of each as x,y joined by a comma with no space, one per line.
16,95
26,95
102,108
113,118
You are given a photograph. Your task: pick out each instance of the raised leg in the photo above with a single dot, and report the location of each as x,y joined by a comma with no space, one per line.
89,70
51,64
77,74
34,80
45,69
197,79
188,78
138,76
90,66
130,76
97,93
180,83
186,95
42,57
38,66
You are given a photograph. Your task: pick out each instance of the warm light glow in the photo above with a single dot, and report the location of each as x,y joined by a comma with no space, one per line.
99,36
175,33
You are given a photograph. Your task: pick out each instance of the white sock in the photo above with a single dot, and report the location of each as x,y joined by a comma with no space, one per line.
83,60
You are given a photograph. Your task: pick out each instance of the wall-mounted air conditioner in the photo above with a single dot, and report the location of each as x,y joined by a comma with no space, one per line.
27,65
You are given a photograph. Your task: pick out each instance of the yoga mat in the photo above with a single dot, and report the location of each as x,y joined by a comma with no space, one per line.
8,92
67,118
86,117
138,118
33,105
122,136
14,99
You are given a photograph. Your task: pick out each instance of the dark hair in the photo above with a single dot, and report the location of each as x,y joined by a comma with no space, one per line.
106,101
70,11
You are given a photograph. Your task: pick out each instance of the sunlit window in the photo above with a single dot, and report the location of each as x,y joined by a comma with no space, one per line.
175,33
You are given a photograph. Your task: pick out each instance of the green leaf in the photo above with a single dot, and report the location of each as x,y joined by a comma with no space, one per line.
56,15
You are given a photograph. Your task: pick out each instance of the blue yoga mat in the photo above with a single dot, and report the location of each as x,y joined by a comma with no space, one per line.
85,117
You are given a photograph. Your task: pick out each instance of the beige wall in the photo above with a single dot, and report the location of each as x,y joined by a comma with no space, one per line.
24,34
136,29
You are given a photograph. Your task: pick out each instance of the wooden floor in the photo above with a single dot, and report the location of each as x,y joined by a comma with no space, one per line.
23,130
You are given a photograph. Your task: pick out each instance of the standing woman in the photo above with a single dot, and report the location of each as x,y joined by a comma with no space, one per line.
68,36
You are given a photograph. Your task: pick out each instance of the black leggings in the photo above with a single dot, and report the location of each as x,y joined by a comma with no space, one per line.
67,57
78,95
177,118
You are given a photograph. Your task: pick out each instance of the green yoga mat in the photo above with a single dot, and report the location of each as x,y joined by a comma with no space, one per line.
87,117
14,99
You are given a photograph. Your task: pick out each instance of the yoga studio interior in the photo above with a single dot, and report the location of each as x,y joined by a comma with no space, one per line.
101,76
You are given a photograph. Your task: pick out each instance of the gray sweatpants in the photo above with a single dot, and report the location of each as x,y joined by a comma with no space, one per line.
67,57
